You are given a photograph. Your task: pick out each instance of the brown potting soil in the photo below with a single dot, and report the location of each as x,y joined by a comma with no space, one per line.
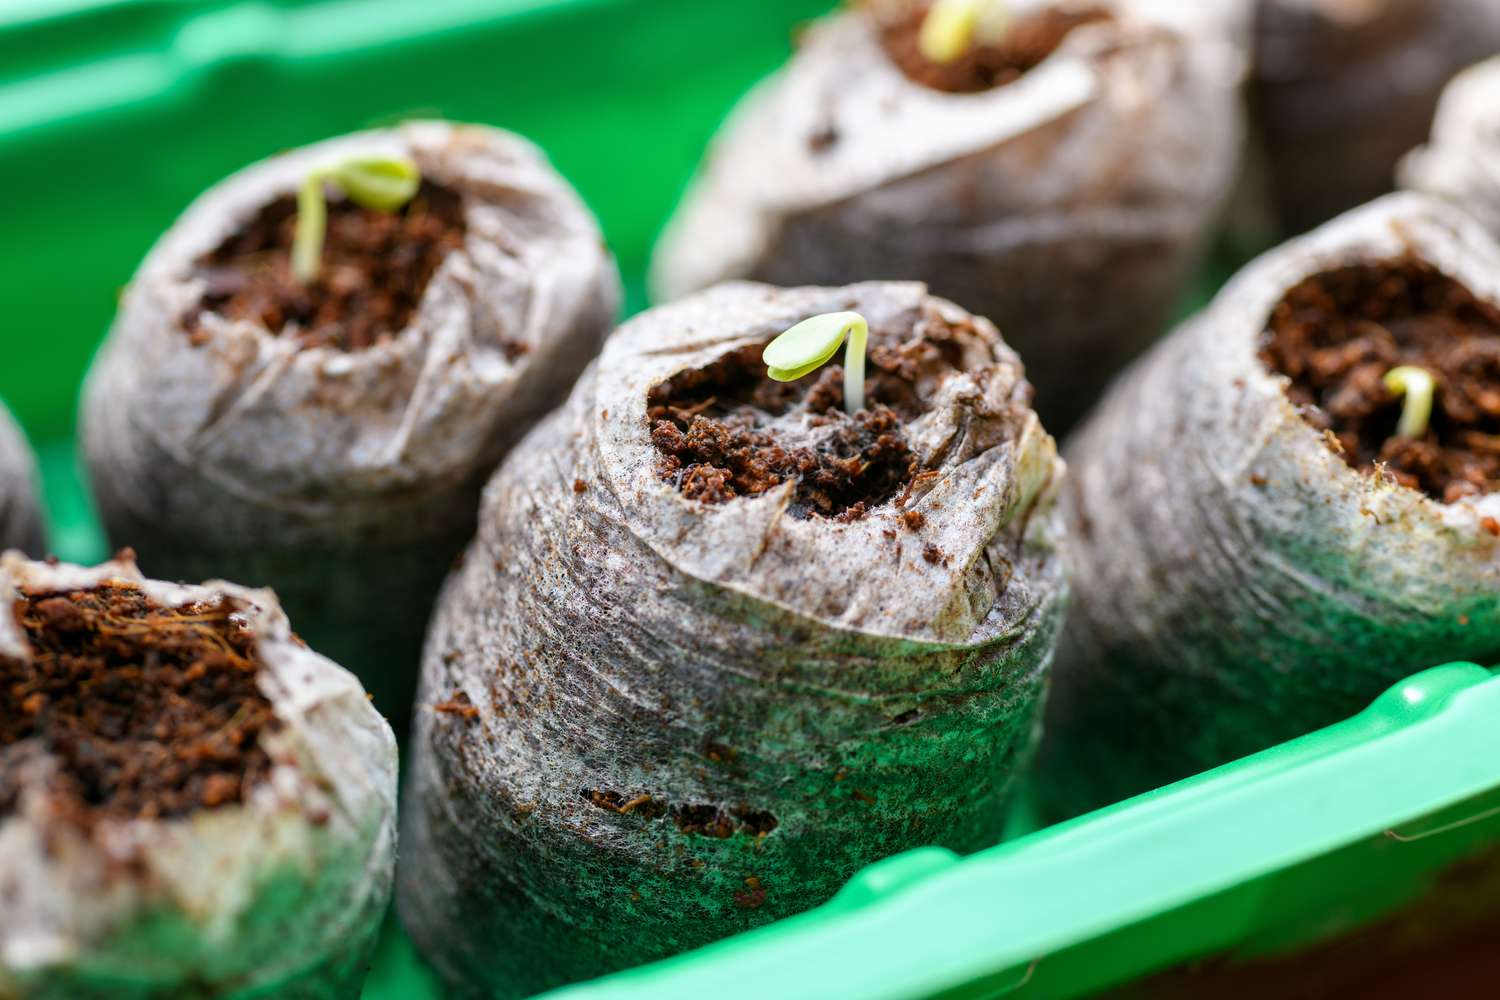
728,430
700,819
376,266
1336,335
131,710
1029,41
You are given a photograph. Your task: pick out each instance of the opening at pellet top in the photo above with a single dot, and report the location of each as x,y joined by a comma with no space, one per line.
728,430
1337,334
375,269
127,709
1033,36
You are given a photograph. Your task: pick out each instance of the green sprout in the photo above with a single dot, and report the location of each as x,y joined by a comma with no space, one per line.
807,346
1416,386
951,27
382,183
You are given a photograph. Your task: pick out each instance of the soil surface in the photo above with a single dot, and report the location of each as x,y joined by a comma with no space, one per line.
131,709
1336,334
1030,40
702,819
376,266
728,430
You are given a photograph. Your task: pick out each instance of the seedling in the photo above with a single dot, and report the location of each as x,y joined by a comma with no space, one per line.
381,183
1415,386
807,346
951,27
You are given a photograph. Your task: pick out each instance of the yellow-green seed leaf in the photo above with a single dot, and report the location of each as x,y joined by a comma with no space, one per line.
793,374
948,29
381,183
807,346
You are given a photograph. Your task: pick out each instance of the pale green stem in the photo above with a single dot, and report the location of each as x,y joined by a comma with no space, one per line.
1416,387
854,368
311,228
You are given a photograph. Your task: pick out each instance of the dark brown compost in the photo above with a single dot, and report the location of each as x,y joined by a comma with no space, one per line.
20,512
335,461
1342,89
1255,556
654,712
192,803
1069,204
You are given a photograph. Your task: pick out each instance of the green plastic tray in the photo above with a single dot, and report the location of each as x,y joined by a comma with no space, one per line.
1340,830
115,113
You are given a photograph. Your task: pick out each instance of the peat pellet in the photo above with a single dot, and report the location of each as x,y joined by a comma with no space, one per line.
1342,89
192,802
1461,161
1060,183
21,525
1256,549
718,644
330,439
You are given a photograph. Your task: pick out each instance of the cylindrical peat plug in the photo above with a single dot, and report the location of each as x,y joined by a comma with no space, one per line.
1461,162
1058,178
328,434
21,525
192,802
1286,507
1342,89
719,643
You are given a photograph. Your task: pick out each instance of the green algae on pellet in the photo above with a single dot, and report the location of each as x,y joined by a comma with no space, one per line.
20,512
1048,184
1252,556
329,438
192,802
697,668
